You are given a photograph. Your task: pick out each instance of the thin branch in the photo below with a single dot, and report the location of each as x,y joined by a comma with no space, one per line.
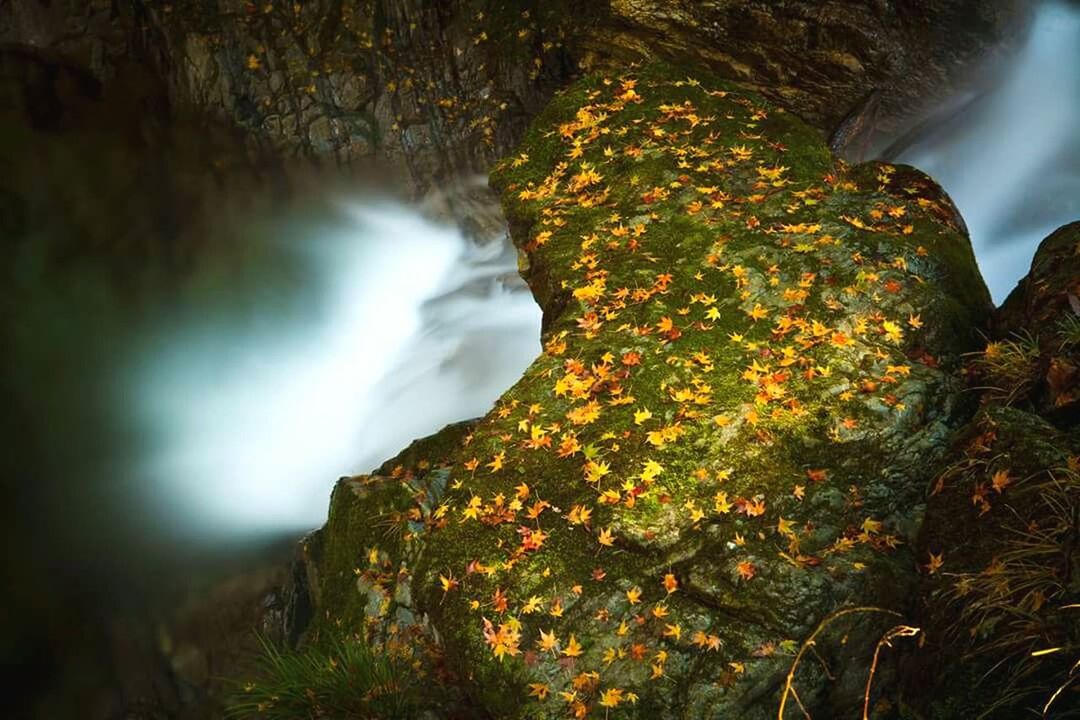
886,639
809,642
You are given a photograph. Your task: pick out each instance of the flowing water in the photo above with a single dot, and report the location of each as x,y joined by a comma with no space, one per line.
1011,158
250,418
175,430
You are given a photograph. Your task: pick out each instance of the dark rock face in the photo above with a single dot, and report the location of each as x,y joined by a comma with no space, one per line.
435,87
439,87
1045,307
820,59
97,35
431,87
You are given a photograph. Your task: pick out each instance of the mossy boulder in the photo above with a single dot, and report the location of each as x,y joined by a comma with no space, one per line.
749,371
1001,572
1044,312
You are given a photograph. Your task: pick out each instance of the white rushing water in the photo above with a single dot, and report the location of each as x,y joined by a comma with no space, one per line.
1011,160
250,419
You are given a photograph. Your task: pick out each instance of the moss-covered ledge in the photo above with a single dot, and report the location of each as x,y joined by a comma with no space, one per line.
750,364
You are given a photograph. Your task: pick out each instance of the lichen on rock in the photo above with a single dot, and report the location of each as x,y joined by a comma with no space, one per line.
748,373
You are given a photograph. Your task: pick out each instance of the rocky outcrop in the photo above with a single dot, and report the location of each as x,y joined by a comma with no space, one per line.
822,60
748,375
1042,317
999,547
443,88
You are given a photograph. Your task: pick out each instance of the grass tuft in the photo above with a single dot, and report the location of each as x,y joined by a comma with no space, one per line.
346,679
1018,608
1068,331
1008,369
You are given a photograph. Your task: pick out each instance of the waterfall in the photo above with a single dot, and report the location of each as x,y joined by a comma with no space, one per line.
248,419
1011,160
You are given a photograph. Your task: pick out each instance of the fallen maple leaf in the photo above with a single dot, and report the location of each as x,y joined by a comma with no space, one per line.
671,583
573,648
746,570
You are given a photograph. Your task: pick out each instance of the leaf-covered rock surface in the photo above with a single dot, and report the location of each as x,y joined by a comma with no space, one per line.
819,58
748,370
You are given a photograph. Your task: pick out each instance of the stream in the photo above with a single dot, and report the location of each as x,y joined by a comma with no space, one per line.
172,442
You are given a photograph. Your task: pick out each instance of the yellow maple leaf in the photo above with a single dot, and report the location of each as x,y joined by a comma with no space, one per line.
548,642
611,697
651,471
573,648
532,605
893,331
579,515
448,583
